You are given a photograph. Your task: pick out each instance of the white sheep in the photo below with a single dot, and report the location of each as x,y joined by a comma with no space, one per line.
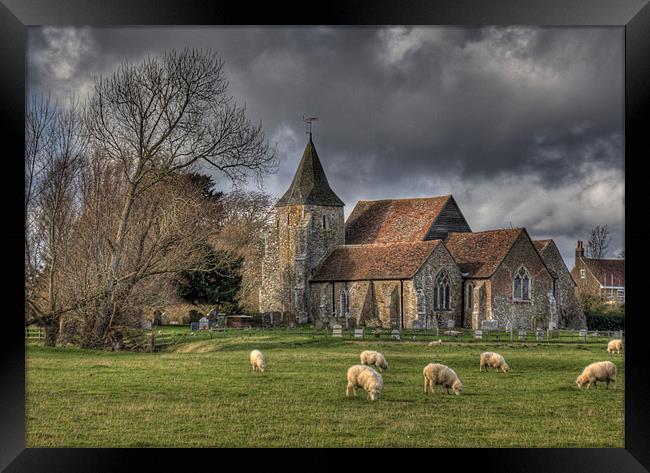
435,373
257,361
370,357
490,359
615,346
598,371
365,377
435,342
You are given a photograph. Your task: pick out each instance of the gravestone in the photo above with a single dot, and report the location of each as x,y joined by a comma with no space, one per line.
555,333
394,334
146,325
337,330
358,333
318,324
212,324
582,333
203,323
478,334
489,325
194,326
539,335
417,324
522,335
450,324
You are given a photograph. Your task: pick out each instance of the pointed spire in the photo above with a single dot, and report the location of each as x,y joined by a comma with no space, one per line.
309,185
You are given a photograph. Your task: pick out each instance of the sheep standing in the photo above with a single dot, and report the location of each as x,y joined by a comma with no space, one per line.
615,346
598,371
490,359
370,357
365,377
257,361
435,373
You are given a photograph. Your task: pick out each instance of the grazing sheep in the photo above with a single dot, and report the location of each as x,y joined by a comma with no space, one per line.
365,377
257,361
435,342
441,374
615,346
598,371
370,357
493,360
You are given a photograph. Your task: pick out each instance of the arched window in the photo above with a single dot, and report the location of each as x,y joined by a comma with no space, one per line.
345,309
442,291
421,302
521,285
324,223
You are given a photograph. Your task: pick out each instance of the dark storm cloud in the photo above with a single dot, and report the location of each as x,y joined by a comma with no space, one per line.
522,125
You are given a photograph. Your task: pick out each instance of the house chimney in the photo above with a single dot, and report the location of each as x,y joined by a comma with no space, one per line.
580,251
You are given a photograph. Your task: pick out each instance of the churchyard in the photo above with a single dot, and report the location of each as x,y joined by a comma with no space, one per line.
202,393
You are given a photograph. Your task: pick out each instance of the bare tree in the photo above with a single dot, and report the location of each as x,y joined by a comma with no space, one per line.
598,244
55,145
151,121
246,216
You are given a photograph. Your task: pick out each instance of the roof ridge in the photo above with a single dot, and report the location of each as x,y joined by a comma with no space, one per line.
407,198
388,243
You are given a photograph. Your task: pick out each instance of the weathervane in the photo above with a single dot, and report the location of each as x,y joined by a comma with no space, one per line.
309,120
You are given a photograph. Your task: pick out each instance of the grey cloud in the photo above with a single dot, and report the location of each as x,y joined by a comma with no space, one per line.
421,111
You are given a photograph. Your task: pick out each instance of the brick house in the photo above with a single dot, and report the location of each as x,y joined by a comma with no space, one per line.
604,277
401,262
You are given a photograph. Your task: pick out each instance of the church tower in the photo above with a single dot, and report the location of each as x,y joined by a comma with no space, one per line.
308,224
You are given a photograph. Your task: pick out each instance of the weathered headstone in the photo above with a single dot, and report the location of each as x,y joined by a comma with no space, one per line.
194,326
450,324
582,333
489,325
478,334
522,335
318,324
337,330
203,323
394,334
539,335
358,333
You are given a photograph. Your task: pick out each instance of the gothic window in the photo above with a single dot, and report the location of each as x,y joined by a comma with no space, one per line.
442,291
421,302
521,285
345,309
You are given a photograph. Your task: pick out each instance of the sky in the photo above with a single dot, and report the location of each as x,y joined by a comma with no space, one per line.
524,126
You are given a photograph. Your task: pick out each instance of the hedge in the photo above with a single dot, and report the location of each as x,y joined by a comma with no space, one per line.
601,321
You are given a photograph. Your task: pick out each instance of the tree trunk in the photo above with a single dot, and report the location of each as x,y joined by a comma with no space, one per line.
51,334
107,305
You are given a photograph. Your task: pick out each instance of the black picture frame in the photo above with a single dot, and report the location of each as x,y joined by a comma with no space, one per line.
633,15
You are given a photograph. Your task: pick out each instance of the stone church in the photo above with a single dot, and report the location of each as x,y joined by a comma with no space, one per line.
403,263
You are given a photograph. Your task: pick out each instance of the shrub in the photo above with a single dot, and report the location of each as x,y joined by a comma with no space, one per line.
605,321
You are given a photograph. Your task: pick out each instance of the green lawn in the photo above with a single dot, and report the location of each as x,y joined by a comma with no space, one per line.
204,394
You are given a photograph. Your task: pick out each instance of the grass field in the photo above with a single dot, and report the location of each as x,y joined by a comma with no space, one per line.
204,394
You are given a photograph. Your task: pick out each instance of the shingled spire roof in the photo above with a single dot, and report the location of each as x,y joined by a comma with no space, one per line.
309,185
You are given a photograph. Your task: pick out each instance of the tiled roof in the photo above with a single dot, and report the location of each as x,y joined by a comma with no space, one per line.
383,221
540,245
309,185
399,260
481,253
609,272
